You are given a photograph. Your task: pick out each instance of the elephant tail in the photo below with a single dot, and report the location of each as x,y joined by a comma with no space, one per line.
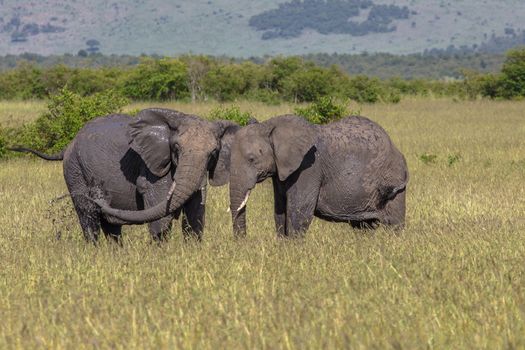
398,189
52,157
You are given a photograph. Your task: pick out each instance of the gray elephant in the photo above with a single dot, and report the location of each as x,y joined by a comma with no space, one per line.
134,164
345,171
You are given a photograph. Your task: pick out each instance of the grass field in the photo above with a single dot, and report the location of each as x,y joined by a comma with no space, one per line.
454,278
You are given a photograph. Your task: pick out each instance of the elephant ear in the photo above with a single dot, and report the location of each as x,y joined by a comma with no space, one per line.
150,138
291,137
219,174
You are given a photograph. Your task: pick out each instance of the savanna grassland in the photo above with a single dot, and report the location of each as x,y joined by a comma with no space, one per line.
454,278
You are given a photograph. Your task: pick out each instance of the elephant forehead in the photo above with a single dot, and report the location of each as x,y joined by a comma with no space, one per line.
248,136
199,138
254,147
250,130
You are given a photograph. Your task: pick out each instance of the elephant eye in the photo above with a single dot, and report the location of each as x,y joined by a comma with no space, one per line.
251,159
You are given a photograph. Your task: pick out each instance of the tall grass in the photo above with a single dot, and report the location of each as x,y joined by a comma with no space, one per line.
454,278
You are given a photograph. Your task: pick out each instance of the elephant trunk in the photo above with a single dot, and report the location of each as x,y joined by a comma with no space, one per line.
239,194
187,180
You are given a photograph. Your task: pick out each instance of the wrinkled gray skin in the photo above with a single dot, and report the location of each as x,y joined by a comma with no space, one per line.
179,145
346,171
128,164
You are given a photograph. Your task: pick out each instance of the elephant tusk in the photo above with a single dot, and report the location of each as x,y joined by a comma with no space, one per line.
243,204
228,210
203,196
172,189
204,191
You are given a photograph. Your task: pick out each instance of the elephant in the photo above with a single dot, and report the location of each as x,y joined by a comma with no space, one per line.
134,163
344,171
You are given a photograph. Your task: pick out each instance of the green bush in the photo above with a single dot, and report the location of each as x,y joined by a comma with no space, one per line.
267,96
24,82
232,113
475,84
363,89
416,87
391,96
162,79
67,113
509,84
86,82
323,111
2,143
29,82
428,158
513,75
228,81
453,159
309,84
279,69
492,86
276,80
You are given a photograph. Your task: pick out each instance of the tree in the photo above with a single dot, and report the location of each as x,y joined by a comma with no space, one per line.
281,68
157,80
309,84
198,67
363,89
513,74
93,46
226,82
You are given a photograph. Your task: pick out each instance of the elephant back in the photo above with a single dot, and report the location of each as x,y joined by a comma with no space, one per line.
360,151
358,137
101,149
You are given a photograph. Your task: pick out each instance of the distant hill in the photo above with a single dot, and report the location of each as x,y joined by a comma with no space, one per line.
245,28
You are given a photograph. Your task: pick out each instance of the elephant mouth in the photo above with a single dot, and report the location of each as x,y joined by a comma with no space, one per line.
263,176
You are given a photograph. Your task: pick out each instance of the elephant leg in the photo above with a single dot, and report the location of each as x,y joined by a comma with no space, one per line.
112,231
302,194
160,229
279,207
89,217
193,219
152,194
88,213
394,212
300,209
299,217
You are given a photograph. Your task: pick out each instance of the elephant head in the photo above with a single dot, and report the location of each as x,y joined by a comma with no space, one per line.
165,139
274,147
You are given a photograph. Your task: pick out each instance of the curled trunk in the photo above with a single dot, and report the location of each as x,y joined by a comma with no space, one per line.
188,179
